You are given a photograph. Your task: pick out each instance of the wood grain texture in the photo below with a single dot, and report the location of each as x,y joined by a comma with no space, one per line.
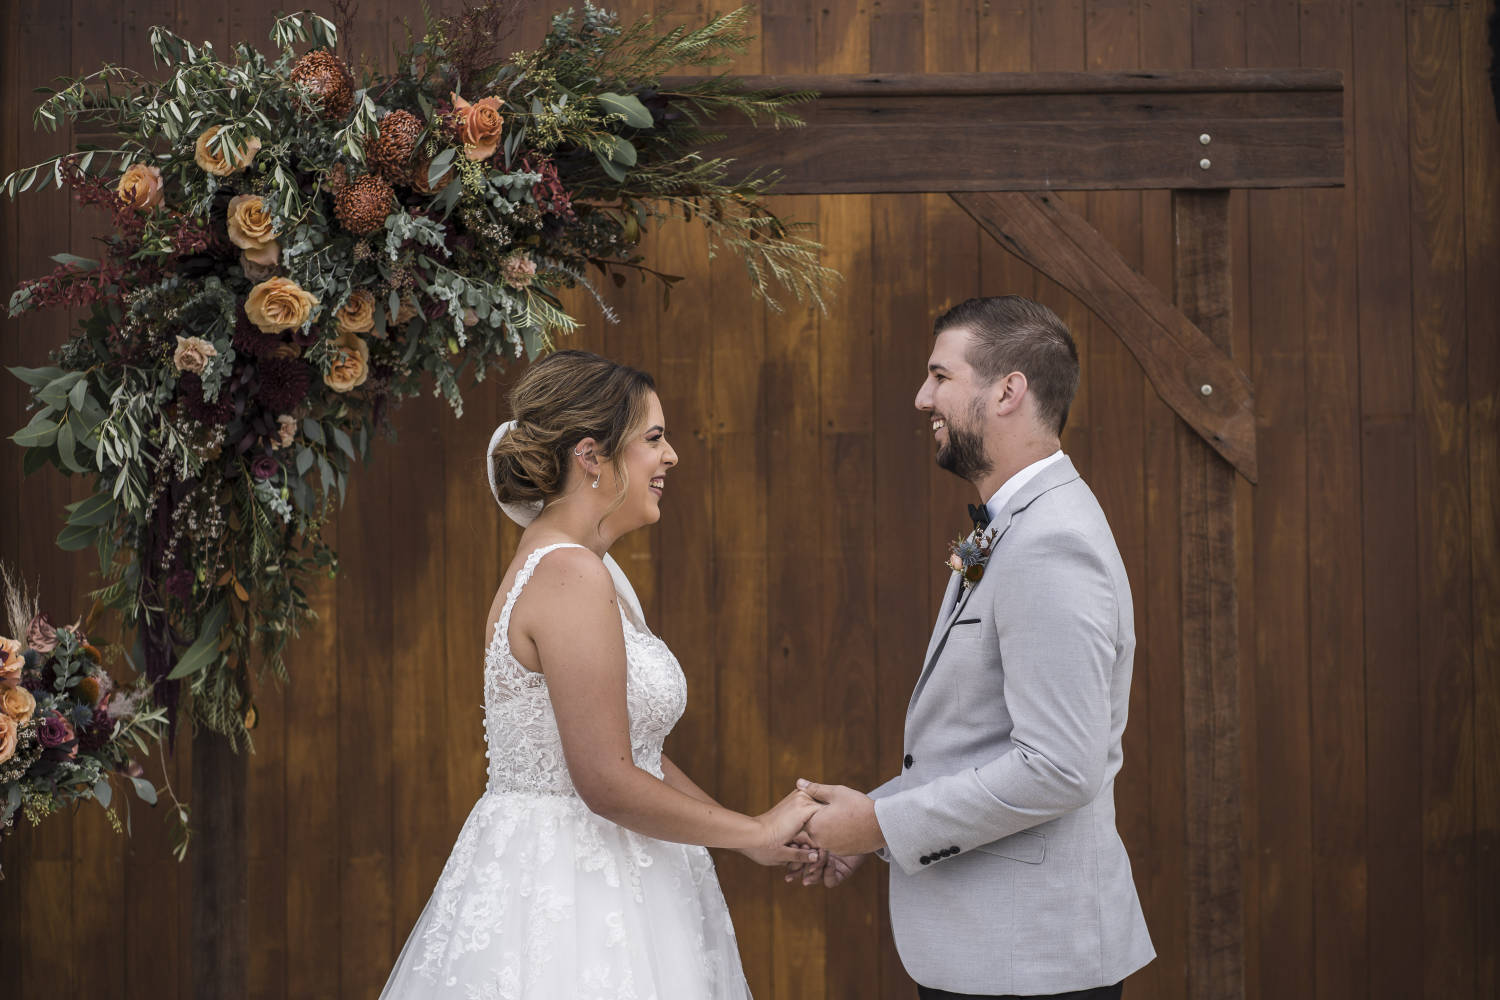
1210,641
1044,231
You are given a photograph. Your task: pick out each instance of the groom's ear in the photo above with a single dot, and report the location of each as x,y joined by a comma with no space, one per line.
1008,393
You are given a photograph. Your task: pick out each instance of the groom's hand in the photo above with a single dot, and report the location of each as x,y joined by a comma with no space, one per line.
846,824
830,869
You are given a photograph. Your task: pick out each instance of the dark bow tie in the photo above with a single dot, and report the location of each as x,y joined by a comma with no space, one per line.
980,515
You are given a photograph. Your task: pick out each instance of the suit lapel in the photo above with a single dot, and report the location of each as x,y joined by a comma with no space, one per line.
1055,475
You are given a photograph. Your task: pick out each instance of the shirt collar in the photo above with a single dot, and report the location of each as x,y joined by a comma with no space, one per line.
1013,485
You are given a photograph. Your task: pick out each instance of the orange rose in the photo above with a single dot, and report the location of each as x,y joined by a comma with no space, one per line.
351,364
358,314
215,162
252,229
140,187
8,732
18,703
479,126
279,304
11,663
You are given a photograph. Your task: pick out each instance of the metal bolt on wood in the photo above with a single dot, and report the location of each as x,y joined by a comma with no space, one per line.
1204,163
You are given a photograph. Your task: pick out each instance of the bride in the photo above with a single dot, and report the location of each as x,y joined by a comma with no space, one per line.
582,870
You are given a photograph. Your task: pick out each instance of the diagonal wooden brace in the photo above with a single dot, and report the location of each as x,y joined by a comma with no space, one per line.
1193,376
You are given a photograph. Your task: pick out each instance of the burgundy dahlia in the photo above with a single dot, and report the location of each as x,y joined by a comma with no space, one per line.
97,733
190,391
249,340
283,383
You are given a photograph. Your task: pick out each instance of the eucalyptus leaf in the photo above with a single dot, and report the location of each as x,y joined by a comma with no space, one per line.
36,377
313,430
342,440
103,792
206,649
92,511
75,538
144,790
37,434
66,443
627,106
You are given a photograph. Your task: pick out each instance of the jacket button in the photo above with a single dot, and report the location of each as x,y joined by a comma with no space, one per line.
953,849
926,859
908,761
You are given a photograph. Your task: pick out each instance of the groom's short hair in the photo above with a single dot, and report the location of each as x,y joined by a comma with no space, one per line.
1015,334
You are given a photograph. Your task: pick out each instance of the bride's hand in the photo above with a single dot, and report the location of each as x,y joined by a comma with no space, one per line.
795,853
780,826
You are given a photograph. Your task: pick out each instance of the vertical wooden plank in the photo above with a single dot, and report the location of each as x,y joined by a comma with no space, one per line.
98,852
1393,720
1481,159
420,835
952,255
846,462
1166,42
314,914
1058,43
45,930
1335,571
1116,387
1282,831
740,584
1210,622
1444,619
688,556
740,454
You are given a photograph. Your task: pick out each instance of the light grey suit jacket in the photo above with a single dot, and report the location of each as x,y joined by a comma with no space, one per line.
1007,873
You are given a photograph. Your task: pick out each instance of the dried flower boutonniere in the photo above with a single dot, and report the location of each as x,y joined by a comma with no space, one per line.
967,556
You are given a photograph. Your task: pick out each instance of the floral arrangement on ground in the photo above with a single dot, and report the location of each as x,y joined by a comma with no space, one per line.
294,252
68,731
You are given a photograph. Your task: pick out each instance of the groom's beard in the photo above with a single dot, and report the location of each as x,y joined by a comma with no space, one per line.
964,455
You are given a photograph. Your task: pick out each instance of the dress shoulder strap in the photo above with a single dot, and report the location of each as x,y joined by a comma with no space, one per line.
502,627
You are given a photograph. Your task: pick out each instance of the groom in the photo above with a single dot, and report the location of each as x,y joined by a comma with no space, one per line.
1008,877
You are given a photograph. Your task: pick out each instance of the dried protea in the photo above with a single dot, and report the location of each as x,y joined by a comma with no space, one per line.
418,177
321,72
392,150
363,204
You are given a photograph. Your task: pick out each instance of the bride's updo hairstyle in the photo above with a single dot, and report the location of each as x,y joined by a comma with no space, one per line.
564,398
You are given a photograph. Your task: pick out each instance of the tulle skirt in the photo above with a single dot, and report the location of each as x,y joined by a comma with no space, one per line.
542,899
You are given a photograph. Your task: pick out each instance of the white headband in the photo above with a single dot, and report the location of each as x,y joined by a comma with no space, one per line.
524,513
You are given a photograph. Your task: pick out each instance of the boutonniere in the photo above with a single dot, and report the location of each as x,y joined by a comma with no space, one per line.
967,556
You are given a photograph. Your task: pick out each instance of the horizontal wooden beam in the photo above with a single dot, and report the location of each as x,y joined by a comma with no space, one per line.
1049,131
1191,374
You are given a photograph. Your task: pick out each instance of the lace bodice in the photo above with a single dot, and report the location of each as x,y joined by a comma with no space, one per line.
525,751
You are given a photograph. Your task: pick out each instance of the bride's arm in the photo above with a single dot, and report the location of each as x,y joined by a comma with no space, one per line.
679,780
570,616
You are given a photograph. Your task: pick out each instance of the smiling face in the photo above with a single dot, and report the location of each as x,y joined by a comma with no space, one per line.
645,456
955,399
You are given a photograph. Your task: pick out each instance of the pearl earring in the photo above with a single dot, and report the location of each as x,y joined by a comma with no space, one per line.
596,480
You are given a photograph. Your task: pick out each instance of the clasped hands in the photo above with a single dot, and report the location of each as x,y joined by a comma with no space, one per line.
836,837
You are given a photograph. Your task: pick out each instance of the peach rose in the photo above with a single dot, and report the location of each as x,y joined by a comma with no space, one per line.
11,663
215,162
252,229
479,126
18,703
192,354
358,314
351,364
140,187
279,304
8,733
286,431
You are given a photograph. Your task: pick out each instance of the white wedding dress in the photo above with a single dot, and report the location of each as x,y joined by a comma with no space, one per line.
544,900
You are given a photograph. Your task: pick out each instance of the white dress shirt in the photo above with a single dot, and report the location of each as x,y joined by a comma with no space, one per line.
1013,485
